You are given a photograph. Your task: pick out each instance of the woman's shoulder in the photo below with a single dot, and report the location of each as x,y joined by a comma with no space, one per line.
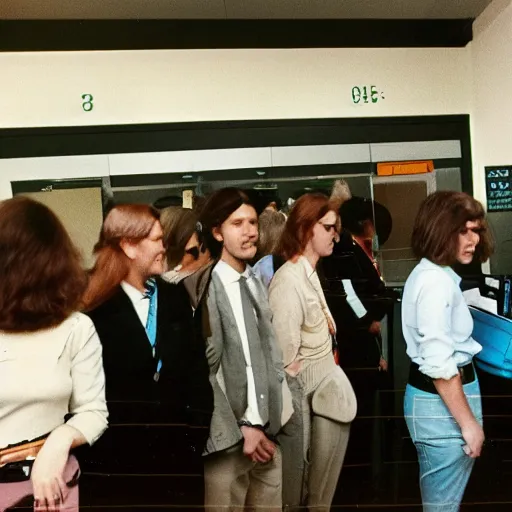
288,277
429,277
80,325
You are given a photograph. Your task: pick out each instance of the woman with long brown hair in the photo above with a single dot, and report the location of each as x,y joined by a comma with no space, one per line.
151,356
50,361
324,401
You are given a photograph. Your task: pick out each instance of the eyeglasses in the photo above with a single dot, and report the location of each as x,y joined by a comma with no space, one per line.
194,251
328,227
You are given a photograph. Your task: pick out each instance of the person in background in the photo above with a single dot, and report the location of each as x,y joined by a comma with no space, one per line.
271,225
50,361
354,265
252,400
151,357
314,441
184,247
442,404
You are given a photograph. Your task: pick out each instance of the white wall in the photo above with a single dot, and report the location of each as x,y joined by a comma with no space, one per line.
45,89
491,54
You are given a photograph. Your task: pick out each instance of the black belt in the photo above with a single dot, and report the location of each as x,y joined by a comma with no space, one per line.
16,472
425,383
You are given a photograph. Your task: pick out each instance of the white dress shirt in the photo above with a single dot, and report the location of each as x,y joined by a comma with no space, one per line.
139,300
436,321
229,278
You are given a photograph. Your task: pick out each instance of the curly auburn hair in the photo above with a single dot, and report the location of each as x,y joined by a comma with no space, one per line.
41,274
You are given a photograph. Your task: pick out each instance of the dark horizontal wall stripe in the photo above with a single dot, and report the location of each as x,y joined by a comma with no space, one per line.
142,138
76,35
23,187
135,180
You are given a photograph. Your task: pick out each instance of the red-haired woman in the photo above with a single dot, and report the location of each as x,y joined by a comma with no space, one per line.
50,361
156,370
324,401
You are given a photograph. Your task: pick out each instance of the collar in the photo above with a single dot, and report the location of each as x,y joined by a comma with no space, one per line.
425,263
133,294
306,265
228,275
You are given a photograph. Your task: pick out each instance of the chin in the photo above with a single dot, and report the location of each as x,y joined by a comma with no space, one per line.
466,260
157,270
247,255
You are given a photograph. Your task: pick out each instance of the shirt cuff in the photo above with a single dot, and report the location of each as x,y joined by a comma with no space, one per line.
90,424
446,372
353,300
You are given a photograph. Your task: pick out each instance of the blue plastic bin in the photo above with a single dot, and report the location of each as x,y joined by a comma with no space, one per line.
494,333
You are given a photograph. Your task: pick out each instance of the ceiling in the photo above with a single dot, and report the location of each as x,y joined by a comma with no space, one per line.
240,9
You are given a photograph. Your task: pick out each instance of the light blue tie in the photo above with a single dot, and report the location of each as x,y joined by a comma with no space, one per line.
152,293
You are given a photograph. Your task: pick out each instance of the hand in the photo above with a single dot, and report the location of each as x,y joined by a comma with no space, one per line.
293,369
50,489
474,437
257,446
383,365
374,327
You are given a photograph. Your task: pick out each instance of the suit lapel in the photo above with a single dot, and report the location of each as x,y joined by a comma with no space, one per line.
124,313
224,306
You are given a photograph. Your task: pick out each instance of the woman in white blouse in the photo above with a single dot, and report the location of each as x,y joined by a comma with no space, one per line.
442,401
314,441
50,361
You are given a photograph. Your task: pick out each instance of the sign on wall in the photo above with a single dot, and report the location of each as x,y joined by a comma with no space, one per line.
498,185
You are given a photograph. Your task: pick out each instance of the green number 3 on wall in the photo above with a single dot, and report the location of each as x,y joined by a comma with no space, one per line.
87,105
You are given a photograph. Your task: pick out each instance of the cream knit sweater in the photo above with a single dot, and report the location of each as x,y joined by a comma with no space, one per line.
48,374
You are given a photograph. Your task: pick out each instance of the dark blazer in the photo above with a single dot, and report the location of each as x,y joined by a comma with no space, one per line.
154,417
358,348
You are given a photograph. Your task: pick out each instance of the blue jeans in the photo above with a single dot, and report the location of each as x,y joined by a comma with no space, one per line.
444,467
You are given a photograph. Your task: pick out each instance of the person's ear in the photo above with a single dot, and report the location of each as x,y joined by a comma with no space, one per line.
217,235
129,248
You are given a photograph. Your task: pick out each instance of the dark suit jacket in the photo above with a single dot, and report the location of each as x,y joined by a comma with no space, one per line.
358,347
153,419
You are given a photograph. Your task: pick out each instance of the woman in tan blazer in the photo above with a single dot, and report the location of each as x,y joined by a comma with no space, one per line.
315,440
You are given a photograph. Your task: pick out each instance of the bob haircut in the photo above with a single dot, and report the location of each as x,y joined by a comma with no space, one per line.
128,222
306,212
216,210
178,225
440,219
41,276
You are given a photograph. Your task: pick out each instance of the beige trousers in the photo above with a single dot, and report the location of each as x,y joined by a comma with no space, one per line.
313,450
234,483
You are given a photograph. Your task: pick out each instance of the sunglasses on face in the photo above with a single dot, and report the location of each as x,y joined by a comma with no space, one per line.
194,251
328,227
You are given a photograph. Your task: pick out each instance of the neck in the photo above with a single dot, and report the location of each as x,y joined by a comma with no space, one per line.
238,265
136,280
311,255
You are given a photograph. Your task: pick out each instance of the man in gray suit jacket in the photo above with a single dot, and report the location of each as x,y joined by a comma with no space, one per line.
251,399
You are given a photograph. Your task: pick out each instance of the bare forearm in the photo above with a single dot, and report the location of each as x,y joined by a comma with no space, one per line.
66,436
453,396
